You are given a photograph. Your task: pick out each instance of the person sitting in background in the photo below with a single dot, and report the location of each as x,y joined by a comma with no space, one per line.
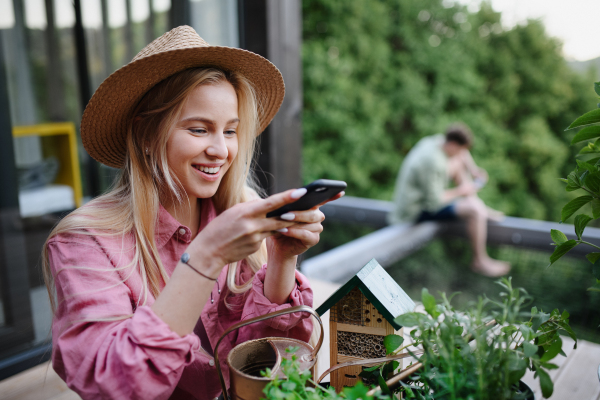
422,192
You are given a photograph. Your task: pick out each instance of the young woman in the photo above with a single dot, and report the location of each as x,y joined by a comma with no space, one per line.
144,279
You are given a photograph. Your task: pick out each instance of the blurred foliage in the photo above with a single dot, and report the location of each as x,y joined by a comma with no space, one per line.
381,74
442,265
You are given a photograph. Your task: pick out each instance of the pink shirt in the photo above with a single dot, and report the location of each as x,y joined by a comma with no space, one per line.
139,357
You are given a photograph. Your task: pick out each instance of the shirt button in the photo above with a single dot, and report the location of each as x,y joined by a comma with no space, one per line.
181,231
211,363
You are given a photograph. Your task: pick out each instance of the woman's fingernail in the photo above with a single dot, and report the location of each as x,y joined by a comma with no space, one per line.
288,216
342,194
296,194
282,230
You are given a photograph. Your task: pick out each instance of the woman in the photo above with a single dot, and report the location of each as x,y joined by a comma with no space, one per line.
148,276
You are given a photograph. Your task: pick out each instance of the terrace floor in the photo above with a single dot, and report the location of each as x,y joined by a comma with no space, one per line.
576,377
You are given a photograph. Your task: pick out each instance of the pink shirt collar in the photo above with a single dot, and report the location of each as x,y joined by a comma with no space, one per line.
167,226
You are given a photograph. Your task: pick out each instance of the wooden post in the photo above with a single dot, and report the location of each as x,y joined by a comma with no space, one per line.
106,45
333,351
129,45
180,13
150,23
272,28
284,22
85,94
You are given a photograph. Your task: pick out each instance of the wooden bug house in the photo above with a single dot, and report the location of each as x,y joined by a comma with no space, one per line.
362,313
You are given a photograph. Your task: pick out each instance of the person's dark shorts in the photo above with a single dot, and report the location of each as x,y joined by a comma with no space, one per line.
444,214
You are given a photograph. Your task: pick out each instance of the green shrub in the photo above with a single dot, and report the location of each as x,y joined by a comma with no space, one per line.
374,84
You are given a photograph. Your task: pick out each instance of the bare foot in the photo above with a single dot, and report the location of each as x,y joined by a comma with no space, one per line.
494,215
491,268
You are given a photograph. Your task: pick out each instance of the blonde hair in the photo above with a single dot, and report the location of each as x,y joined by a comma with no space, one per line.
132,205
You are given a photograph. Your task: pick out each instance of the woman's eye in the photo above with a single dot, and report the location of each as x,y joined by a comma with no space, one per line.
197,131
230,133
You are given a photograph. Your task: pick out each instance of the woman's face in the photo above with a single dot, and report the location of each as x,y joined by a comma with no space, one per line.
203,142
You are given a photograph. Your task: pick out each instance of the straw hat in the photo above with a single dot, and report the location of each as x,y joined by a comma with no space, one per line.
104,122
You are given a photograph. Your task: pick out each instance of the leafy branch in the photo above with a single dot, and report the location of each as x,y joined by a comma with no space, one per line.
586,177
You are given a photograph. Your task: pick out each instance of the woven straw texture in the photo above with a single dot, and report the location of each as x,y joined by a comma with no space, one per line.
104,122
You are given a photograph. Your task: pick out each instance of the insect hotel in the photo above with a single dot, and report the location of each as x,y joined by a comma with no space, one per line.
362,313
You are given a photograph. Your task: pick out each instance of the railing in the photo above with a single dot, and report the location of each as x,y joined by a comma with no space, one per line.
392,243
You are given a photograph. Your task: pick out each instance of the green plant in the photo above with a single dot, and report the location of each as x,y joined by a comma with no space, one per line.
586,177
298,385
465,357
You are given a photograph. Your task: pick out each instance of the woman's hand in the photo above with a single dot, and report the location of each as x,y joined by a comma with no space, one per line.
239,231
299,237
302,235
284,248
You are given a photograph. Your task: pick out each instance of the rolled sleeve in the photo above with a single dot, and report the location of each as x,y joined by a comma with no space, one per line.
297,325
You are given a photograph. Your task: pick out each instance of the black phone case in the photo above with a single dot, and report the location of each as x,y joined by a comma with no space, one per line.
316,193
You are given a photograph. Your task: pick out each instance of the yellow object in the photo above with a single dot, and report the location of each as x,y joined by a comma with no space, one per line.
59,139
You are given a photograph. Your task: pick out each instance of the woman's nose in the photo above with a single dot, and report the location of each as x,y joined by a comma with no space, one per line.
217,147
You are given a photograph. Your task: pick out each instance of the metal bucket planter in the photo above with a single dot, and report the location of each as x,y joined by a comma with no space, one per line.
246,360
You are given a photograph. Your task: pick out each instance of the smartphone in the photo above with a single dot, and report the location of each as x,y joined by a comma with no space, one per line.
316,193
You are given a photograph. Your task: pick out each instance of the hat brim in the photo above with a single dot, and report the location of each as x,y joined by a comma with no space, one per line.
104,122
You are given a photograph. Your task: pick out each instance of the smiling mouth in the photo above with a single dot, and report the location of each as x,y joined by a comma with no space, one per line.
207,170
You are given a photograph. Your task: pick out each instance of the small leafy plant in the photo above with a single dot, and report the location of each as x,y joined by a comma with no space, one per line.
586,177
298,385
465,357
